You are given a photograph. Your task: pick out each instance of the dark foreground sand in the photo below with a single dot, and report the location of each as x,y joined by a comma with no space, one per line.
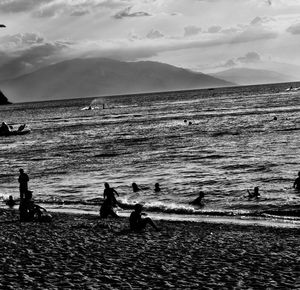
84,252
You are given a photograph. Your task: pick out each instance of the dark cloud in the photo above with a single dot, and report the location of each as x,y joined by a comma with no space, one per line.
154,34
294,29
191,30
30,52
250,57
230,63
127,13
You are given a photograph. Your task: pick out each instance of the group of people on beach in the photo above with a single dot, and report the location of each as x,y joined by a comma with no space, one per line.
30,211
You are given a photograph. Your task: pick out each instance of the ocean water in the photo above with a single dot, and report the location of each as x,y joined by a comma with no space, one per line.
232,144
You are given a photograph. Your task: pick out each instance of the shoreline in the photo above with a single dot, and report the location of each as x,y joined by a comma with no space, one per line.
78,251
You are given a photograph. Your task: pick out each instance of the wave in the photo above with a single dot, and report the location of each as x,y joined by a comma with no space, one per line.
286,212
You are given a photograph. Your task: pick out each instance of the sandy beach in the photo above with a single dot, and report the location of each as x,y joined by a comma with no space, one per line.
85,252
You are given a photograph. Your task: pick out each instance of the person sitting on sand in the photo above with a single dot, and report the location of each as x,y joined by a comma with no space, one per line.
199,199
29,211
254,194
110,201
10,202
156,187
297,182
137,223
135,187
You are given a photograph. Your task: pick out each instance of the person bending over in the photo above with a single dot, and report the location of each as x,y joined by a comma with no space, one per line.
137,223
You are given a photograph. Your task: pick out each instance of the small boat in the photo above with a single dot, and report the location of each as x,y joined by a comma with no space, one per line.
15,132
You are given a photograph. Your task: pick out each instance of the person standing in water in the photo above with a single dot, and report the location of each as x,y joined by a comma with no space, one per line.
110,201
296,184
23,181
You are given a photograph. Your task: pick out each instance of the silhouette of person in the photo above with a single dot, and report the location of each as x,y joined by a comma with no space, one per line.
135,187
10,202
22,127
198,200
107,207
297,182
156,187
137,223
254,194
23,180
29,211
4,128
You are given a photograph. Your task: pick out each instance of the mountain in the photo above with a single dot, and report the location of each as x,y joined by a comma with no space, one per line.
246,76
3,99
97,77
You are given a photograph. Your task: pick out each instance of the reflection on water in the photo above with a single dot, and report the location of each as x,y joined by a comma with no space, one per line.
233,144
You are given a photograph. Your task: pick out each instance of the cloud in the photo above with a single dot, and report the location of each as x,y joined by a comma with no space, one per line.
214,29
294,29
250,57
23,53
51,8
16,6
127,13
191,30
153,34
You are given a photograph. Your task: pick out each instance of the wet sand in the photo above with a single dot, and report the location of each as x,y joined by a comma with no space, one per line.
85,252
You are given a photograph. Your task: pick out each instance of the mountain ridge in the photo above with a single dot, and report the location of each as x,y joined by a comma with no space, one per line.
90,77
250,76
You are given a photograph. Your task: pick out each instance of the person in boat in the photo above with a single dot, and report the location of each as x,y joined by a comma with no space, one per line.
137,222
4,128
23,181
296,184
156,187
109,203
199,199
21,128
254,194
135,187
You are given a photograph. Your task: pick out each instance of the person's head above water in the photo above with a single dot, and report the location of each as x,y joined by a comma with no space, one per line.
106,185
21,170
134,186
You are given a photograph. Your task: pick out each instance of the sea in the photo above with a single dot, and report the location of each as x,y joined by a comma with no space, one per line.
221,141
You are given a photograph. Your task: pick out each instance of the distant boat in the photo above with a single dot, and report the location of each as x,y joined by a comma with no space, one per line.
291,89
15,132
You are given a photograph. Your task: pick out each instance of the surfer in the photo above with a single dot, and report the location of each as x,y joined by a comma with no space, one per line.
297,182
254,194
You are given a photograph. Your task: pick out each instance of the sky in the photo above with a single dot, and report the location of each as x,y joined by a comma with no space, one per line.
201,35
